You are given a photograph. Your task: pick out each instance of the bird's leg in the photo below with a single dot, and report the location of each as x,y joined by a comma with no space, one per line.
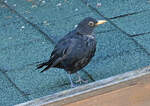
80,80
72,84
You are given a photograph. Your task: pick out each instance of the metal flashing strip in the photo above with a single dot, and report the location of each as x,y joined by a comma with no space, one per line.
91,89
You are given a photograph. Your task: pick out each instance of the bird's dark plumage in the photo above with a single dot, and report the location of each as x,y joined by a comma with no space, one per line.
75,50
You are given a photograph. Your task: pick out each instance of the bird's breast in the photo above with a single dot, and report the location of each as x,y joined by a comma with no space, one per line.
90,36
90,41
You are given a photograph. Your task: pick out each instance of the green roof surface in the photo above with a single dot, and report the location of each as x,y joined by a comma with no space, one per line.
29,30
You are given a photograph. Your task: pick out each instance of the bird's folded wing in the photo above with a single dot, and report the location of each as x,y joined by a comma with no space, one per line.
61,50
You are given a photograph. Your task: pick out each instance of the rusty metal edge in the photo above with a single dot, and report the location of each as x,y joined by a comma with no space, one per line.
91,89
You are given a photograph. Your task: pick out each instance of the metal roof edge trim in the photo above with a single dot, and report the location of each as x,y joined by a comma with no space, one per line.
91,87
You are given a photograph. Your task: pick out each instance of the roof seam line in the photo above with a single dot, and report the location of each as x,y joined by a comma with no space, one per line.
32,24
15,86
94,9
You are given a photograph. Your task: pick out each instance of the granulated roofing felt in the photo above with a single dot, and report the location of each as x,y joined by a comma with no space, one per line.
29,30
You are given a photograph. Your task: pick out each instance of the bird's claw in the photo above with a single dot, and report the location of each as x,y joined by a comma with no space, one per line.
81,81
73,85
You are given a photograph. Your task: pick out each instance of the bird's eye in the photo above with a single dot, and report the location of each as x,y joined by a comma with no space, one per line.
91,23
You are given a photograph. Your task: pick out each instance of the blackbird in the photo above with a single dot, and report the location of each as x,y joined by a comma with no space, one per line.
75,50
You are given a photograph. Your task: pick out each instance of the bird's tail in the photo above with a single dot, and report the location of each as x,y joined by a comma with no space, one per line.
46,68
41,65
47,64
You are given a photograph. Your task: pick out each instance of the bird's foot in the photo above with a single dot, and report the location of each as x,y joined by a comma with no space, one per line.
81,81
71,82
73,85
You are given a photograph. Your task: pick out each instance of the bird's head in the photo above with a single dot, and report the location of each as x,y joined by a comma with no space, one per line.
87,25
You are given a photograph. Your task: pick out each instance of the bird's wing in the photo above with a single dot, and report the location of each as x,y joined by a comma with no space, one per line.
64,48
60,52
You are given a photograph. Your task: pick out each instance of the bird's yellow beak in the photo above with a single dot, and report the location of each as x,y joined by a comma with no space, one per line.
100,22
